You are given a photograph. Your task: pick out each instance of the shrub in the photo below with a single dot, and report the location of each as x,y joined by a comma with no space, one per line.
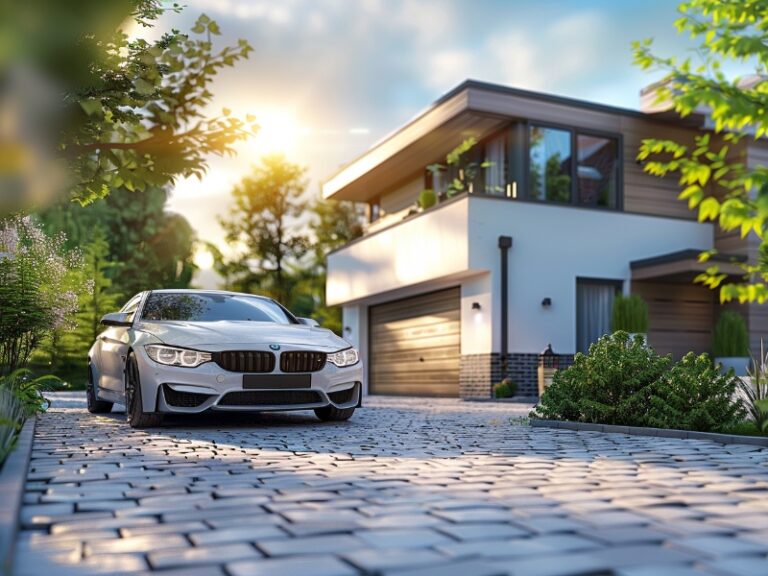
754,392
609,385
695,395
427,198
621,381
630,314
11,418
730,336
505,389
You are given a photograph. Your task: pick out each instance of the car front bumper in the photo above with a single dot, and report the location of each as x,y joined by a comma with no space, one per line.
172,389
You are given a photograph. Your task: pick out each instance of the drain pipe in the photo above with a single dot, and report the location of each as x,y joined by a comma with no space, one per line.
505,243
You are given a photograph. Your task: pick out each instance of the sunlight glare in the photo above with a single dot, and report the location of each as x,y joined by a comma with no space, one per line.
279,132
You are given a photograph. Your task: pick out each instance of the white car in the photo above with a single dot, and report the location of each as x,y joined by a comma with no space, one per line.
188,351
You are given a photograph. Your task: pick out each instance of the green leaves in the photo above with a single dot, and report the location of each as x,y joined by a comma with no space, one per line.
713,174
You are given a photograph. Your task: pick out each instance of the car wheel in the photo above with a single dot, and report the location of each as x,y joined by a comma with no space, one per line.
333,414
95,406
134,410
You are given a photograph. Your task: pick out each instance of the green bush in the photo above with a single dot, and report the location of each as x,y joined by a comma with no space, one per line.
11,419
427,198
730,336
695,395
609,385
621,381
505,389
630,314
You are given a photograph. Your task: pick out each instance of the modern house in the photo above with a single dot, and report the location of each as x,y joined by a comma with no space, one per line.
555,218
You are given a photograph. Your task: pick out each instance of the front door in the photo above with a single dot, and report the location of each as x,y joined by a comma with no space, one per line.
594,310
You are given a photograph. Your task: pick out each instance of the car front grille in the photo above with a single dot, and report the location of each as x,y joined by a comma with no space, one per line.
246,361
183,399
302,361
270,398
343,396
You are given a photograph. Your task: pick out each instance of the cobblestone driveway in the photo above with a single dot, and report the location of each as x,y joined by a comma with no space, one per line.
407,486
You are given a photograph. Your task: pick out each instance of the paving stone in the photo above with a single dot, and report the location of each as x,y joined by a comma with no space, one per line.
221,554
315,565
408,486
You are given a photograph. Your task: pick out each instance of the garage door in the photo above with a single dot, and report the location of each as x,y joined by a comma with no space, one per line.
415,345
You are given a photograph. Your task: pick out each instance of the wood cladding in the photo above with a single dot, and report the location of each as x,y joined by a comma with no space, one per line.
680,316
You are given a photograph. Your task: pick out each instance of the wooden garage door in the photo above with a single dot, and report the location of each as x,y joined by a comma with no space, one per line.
415,345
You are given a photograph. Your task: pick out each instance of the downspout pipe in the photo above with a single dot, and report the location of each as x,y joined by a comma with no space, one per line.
505,243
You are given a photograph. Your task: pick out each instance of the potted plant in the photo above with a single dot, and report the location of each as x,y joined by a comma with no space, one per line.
427,198
505,389
630,314
730,343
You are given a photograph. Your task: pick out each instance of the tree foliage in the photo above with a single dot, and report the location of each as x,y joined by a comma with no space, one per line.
263,226
121,112
150,247
715,177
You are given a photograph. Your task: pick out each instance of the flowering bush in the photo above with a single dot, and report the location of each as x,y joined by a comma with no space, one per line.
36,292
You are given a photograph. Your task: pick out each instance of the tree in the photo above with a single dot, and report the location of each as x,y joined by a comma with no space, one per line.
263,226
333,225
151,247
715,178
126,113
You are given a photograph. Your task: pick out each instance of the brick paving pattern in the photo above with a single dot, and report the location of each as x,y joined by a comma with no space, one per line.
409,486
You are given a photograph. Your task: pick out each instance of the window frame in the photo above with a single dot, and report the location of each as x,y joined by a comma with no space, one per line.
618,285
574,132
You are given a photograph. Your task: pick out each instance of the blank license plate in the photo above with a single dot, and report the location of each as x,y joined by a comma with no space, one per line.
276,381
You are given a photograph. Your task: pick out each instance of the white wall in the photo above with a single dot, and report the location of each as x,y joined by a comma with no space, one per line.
354,321
426,247
552,246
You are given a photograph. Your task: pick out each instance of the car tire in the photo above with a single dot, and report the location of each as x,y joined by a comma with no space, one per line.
95,406
333,414
134,410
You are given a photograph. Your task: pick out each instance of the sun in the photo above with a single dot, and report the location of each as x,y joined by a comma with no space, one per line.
279,132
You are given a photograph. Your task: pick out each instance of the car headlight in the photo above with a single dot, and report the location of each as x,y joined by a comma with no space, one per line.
171,356
344,358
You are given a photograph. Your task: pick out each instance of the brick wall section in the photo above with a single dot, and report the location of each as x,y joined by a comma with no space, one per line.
478,373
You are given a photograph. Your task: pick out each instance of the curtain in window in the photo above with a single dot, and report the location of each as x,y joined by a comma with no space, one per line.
495,156
594,308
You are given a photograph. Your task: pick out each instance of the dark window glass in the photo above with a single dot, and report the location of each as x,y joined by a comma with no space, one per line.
549,176
594,309
597,171
202,307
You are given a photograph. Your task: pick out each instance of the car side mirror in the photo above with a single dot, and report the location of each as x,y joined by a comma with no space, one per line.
309,322
116,319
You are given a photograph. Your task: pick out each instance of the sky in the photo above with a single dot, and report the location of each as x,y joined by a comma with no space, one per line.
329,78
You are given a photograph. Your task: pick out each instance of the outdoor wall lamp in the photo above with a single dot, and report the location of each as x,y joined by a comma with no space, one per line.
476,306
547,302
347,329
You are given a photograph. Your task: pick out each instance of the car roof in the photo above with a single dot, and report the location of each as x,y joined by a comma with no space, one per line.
196,291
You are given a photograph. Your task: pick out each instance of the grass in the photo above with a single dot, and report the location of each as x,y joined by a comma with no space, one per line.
745,428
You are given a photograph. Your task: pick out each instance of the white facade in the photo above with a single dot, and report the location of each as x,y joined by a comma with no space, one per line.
457,244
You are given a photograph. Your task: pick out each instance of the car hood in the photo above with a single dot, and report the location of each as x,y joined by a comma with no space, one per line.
228,335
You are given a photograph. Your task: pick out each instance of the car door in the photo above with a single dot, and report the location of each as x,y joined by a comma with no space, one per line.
113,344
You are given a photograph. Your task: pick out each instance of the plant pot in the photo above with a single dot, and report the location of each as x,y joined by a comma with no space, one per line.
740,364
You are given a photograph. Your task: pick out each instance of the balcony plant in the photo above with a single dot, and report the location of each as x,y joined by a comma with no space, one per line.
630,314
730,343
427,198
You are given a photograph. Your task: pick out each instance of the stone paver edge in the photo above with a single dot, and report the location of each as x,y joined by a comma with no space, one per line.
13,477
643,431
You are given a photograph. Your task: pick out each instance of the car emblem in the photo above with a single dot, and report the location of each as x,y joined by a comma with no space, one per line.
274,346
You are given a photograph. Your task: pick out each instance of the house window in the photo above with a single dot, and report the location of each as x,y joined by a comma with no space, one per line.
594,309
494,165
549,174
589,179
374,210
597,171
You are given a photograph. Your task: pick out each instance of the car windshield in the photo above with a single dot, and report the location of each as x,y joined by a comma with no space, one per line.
202,307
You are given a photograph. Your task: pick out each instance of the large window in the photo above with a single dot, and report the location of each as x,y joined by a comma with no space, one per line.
591,179
549,175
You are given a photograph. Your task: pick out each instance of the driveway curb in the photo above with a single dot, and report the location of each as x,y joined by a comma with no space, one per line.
658,432
13,477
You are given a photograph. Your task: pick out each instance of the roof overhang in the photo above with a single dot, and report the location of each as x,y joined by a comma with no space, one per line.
471,109
683,266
